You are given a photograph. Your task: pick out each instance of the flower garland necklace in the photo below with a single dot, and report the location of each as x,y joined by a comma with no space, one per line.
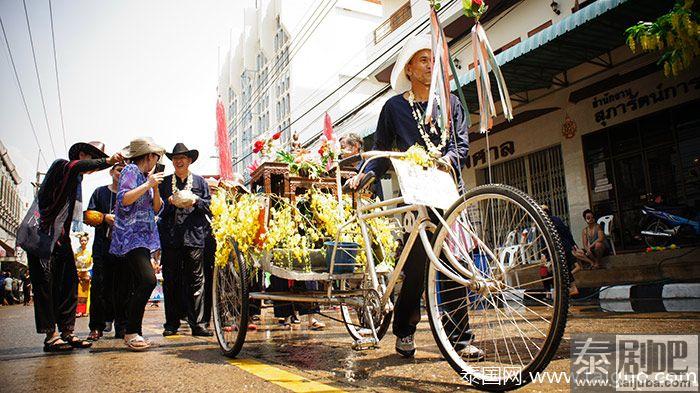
188,183
432,149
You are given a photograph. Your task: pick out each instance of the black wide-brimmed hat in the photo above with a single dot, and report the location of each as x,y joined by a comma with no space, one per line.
180,148
94,148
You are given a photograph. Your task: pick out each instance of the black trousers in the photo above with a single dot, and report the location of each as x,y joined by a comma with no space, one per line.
209,259
9,297
55,285
286,309
143,279
123,287
27,291
183,286
407,313
102,293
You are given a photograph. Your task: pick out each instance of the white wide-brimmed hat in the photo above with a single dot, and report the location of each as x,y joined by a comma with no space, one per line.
399,80
141,146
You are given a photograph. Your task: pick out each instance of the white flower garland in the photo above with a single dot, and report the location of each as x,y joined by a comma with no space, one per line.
432,149
188,183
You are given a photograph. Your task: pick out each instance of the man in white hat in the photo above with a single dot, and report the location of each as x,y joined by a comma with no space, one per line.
400,127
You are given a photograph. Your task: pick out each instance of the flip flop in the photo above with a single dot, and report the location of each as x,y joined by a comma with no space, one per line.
137,343
316,325
75,342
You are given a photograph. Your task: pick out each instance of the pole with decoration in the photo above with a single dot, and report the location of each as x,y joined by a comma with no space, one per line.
222,144
484,62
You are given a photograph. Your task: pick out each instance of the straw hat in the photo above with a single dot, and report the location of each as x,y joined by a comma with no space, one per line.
399,80
236,182
141,146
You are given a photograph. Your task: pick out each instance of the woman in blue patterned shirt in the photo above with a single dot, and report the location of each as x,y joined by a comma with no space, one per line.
135,234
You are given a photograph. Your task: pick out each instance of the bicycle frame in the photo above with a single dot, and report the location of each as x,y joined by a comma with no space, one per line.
470,278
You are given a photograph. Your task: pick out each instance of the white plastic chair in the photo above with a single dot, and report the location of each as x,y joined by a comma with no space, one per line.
508,256
529,248
510,238
606,223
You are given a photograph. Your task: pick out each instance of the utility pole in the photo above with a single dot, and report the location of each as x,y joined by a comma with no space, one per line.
37,183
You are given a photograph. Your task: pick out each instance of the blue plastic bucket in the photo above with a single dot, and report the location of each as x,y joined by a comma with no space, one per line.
345,256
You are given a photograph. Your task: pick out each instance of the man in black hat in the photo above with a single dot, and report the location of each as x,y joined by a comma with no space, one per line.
55,278
183,229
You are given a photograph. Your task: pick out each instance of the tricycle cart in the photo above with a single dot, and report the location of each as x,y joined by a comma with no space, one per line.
475,296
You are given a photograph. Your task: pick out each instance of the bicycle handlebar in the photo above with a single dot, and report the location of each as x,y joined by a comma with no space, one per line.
375,154
366,179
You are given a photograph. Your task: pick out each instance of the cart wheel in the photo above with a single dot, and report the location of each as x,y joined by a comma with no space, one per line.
231,304
504,322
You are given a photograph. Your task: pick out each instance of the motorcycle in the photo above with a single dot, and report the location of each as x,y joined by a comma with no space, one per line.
662,225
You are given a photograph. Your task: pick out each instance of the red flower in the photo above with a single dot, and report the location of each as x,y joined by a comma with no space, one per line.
478,2
258,146
321,150
277,135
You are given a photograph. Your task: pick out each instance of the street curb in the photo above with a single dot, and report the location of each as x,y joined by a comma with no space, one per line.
652,298
668,291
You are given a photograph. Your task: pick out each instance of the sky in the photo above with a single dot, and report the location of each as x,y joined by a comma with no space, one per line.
127,68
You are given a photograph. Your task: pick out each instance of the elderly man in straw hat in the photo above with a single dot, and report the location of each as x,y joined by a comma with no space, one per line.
53,271
183,230
134,234
400,126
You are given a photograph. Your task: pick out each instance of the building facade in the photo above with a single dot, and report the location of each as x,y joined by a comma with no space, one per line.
596,126
288,54
11,209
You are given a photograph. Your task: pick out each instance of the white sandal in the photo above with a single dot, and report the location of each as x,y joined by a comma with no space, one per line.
315,324
137,343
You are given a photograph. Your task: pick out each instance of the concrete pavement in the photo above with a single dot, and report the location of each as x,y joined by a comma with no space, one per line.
274,359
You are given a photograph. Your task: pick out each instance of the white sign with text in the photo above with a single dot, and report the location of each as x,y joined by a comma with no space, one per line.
428,187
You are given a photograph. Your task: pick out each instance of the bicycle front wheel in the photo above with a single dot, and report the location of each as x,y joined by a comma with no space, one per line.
505,323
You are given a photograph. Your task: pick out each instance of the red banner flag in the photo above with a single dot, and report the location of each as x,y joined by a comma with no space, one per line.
222,144
328,127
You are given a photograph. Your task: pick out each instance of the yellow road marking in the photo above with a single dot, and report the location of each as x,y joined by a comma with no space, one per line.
285,379
174,336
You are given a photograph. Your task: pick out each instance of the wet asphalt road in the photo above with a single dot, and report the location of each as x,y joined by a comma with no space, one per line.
321,360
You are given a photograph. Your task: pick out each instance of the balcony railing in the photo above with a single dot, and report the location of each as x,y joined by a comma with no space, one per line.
396,19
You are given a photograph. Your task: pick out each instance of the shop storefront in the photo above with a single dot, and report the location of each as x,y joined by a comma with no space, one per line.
611,142
648,159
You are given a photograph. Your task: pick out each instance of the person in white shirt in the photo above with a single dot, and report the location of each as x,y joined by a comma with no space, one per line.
7,285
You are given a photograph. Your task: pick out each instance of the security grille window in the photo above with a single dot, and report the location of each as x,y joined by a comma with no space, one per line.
540,174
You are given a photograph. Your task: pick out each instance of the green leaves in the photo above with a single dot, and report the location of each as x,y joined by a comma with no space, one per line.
474,8
676,34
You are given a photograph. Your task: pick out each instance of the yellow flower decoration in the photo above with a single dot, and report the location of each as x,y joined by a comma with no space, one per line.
417,155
